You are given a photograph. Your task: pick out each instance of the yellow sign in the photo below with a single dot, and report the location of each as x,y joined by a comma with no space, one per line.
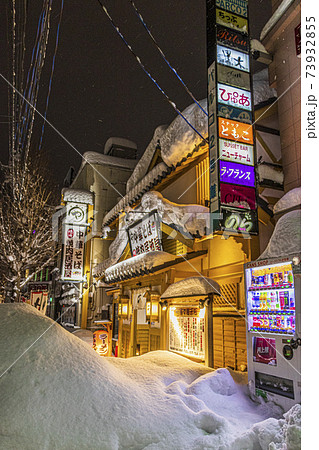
231,20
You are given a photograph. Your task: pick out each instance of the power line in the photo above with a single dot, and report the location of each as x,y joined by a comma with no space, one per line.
139,15
116,28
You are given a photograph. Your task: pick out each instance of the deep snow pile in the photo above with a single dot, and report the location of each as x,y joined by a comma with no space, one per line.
61,395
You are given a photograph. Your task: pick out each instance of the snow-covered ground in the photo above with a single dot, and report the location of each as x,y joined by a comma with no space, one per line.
61,395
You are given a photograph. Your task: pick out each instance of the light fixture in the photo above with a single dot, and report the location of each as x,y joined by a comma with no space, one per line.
152,303
164,305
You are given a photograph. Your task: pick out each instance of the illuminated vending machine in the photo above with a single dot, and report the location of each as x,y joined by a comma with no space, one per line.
273,329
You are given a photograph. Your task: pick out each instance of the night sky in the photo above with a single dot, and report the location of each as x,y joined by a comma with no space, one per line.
98,88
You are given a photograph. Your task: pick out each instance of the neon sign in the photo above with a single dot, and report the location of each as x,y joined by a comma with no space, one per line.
232,58
235,131
237,174
236,152
239,221
237,196
234,96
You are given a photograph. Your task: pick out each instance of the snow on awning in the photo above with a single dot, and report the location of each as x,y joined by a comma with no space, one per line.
137,265
291,199
77,195
192,287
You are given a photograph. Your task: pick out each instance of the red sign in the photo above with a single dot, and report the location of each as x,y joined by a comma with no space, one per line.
265,351
237,196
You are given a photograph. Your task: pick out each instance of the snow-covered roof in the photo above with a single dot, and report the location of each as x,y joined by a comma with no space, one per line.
120,142
290,200
271,173
192,287
106,160
286,238
143,164
181,404
280,11
77,195
140,264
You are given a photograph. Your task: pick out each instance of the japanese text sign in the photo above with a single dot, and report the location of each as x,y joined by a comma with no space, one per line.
73,250
234,6
237,196
243,221
145,235
234,96
232,38
237,174
236,152
232,58
236,131
264,350
231,20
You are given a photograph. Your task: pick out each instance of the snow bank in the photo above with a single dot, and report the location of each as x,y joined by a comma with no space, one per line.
262,90
286,238
59,394
290,200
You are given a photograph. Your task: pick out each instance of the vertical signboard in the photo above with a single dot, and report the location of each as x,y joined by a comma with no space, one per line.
74,231
230,109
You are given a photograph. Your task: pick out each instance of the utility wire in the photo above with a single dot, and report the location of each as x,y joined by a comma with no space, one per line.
51,75
116,28
139,15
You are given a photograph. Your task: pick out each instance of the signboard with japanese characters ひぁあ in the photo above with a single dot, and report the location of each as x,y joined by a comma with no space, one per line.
234,96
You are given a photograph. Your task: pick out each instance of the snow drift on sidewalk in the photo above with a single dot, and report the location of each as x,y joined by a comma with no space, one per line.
61,395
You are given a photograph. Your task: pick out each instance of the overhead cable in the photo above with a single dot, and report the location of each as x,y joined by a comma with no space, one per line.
116,28
139,15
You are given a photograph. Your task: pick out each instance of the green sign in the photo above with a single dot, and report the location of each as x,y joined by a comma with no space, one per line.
234,6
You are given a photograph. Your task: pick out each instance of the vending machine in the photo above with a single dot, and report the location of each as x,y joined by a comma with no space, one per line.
273,329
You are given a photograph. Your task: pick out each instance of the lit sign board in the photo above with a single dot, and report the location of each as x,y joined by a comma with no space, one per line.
73,250
232,38
144,236
236,152
235,131
230,112
232,76
231,20
234,6
212,131
237,196
233,96
239,220
232,58
237,174
76,213
264,350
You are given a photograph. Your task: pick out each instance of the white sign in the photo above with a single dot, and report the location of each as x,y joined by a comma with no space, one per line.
73,250
233,96
232,58
145,235
76,213
236,152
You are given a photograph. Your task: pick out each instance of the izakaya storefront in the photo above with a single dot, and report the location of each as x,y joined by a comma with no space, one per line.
189,304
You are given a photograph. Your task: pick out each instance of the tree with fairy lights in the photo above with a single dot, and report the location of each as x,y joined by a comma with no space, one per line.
26,245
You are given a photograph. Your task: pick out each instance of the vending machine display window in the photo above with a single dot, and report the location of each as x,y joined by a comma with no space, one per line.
264,350
271,299
276,385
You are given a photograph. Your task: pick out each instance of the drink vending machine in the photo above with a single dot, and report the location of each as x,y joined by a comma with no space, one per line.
273,329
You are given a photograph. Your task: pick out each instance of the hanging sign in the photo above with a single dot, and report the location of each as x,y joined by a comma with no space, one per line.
73,250
234,6
212,133
76,213
39,300
236,220
233,77
144,236
234,96
236,152
236,131
229,112
237,196
232,38
232,58
231,20
237,174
